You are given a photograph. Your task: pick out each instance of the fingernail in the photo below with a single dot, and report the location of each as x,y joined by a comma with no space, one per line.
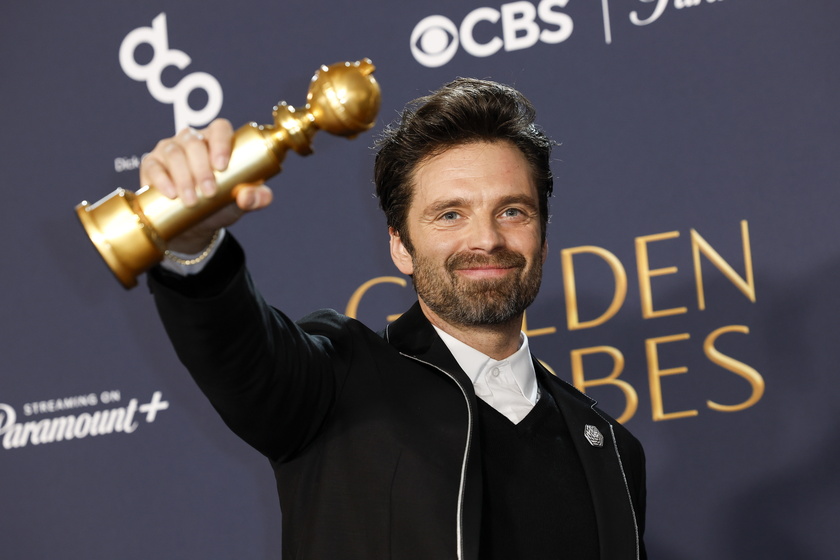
220,163
189,198
209,187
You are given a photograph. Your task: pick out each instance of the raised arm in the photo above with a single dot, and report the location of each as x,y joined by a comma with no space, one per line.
271,382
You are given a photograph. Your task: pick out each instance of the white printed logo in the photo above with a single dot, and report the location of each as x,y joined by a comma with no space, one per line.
435,39
15,435
156,36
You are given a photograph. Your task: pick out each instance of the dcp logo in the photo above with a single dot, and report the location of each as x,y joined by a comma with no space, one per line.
436,38
178,96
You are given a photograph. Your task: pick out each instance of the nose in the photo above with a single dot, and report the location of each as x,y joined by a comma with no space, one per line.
485,235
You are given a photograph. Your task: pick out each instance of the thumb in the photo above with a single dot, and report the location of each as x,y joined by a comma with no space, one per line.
254,197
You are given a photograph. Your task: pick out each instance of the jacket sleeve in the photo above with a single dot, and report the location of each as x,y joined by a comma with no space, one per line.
272,383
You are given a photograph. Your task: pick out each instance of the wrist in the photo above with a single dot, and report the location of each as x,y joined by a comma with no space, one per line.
192,242
188,252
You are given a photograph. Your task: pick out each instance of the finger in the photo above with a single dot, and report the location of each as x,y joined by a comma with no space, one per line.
219,136
264,195
195,147
253,198
153,172
173,154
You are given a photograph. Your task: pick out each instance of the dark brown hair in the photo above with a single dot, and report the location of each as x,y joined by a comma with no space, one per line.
461,112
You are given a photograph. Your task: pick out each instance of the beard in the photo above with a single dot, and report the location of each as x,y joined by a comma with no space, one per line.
486,301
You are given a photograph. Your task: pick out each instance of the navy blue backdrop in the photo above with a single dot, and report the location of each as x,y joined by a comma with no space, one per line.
690,287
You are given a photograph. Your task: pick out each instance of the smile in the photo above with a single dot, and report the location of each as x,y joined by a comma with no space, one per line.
484,271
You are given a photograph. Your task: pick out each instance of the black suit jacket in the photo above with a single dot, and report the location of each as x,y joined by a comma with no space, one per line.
373,436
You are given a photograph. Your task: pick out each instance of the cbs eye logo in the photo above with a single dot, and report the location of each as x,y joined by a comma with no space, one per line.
435,39
178,96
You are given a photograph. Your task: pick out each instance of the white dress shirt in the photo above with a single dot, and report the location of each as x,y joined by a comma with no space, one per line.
509,385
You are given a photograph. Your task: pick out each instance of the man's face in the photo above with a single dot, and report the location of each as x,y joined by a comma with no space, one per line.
474,225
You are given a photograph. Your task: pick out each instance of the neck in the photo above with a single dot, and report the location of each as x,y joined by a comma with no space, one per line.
498,341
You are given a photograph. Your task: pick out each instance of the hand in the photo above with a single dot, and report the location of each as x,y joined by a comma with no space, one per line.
183,165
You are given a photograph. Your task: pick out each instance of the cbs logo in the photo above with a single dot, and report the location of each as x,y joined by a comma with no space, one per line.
178,96
435,39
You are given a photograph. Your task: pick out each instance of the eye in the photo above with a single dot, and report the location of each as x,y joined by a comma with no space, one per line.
450,216
513,213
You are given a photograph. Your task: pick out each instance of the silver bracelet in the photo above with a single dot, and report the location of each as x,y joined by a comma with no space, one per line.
198,258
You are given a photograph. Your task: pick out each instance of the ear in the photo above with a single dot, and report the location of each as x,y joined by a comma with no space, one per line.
399,254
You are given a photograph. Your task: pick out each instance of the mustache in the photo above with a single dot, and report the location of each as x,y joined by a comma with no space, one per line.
504,258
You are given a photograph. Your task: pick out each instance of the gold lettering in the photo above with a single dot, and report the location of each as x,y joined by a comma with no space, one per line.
699,245
353,305
655,374
645,274
619,274
581,383
751,375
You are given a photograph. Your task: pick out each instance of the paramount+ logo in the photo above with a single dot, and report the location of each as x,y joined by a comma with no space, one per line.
485,31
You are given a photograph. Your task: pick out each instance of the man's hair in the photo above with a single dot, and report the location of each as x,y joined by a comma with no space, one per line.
463,111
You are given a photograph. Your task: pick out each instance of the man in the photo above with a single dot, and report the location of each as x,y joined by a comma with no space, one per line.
440,437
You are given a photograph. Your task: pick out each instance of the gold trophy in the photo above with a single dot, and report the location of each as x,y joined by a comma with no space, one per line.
130,230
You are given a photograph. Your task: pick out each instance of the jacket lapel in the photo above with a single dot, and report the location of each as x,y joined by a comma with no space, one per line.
412,334
602,465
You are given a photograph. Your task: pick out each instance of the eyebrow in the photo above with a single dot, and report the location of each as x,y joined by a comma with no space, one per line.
520,199
442,205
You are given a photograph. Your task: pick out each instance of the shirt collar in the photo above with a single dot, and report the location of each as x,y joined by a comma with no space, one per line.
474,363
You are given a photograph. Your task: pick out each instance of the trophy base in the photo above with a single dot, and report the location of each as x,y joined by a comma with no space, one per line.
115,226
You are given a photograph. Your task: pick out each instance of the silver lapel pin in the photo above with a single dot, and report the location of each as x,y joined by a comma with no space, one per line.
593,436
